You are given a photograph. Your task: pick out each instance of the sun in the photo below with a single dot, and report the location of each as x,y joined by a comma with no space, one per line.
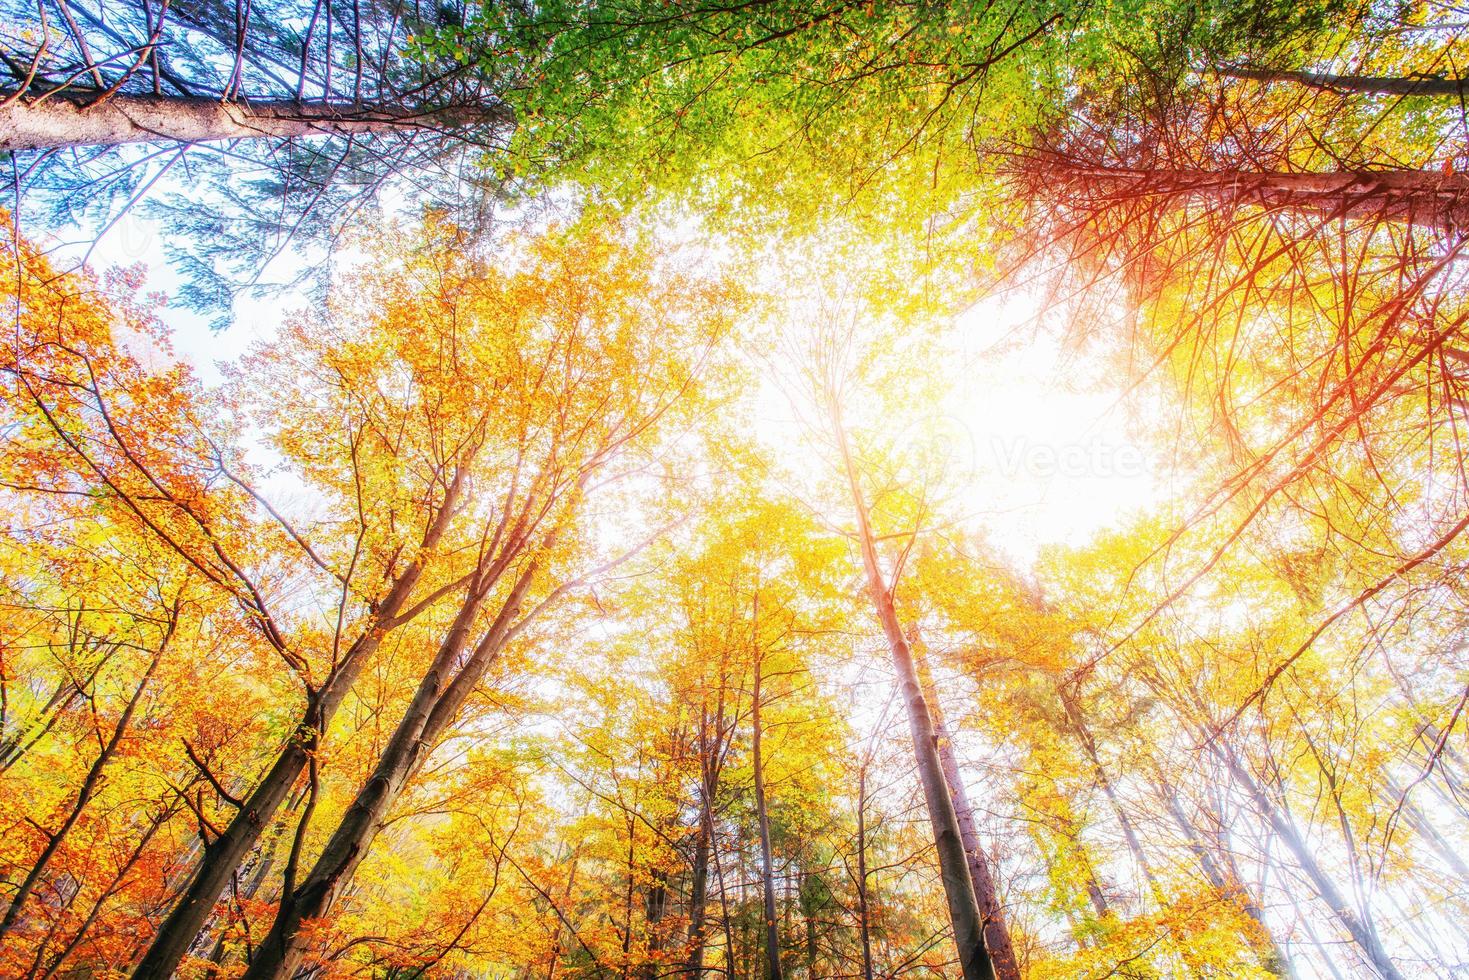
1057,449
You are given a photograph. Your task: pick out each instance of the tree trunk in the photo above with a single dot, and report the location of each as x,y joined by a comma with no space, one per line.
730,971
1419,823
1082,732
1356,84
223,855
710,764
762,816
62,120
654,906
996,932
1361,932
1426,197
699,897
435,704
964,914
862,896
1272,957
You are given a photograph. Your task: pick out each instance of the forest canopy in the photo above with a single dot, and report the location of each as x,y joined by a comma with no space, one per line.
759,490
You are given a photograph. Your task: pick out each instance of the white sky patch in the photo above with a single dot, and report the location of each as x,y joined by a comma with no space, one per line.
134,239
1051,460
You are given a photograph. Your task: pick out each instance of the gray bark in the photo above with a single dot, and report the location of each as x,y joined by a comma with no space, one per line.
964,914
996,932
86,119
225,854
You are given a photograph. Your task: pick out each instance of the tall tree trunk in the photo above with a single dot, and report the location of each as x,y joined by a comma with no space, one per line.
1272,957
224,854
726,919
863,916
767,868
699,896
90,783
1361,931
435,704
654,907
996,932
964,914
808,910
1083,735
711,749
84,119
118,880
1430,198
1419,823
1356,84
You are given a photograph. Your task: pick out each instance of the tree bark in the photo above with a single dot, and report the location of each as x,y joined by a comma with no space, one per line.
437,701
1356,84
964,914
996,932
767,868
1430,198
862,894
1361,931
711,752
223,855
66,119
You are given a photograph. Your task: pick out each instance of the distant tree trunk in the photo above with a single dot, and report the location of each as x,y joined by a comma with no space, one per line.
654,907
711,748
730,970
1356,84
771,929
1272,958
996,932
699,896
90,783
224,854
118,880
1419,823
1083,735
560,924
66,119
1362,932
863,917
808,911
964,913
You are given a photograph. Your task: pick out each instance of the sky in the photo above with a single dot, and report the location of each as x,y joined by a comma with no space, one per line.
1043,460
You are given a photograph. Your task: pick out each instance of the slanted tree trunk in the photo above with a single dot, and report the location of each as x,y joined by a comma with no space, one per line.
1362,932
224,854
1083,735
66,119
435,704
964,913
762,816
1419,823
996,932
1272,957
118,881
